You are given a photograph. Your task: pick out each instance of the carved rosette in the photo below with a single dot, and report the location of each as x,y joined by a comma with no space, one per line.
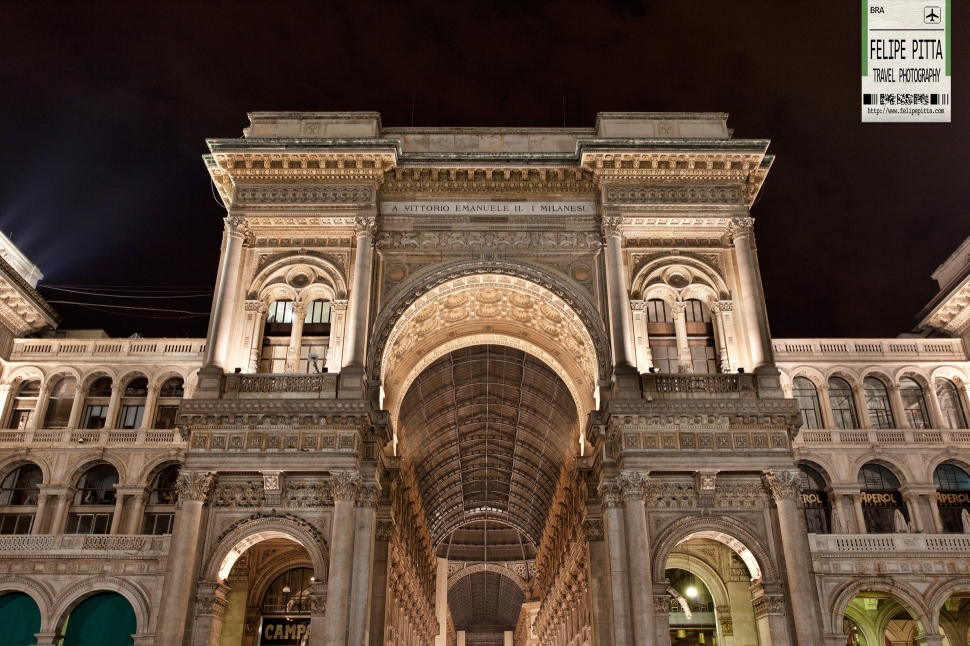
193,485
611,495
368,494
784,485
365,226
612,225
633,484
344,485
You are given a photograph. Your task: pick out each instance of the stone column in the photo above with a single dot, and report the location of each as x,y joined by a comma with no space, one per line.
769,611
759,345
39,408
661,613
912,505
720,332
344,484
136,518
684,362
146,418
633,484
37,526
599,581
192,488
119,511
318,614
933,404
358,309
935,510
785,486
210,603
896,404
258,309
441,602
60,512
460,638
641,336
296,338
860,517
363,572
77,407
861,407
621,321
112,414
7,393
220,320
614,530
828,417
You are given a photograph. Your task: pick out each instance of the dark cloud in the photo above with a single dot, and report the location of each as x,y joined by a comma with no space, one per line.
105,111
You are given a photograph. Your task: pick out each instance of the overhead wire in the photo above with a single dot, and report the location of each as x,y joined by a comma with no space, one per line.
129,307
105,295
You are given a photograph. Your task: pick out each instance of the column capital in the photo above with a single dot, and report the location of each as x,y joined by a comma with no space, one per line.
344,485
365,226
633,484
722,306
256,306
610,494
741,227
368,494
783,484
193,485
678,308
612,225
236,226
299,308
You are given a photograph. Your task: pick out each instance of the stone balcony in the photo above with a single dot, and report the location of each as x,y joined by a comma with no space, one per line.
29,350
890,553
92,545
808,350
56,438
881,437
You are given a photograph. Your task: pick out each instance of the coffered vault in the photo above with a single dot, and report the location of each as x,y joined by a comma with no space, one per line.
487,429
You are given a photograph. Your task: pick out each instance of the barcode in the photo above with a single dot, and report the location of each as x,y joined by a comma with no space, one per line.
905,99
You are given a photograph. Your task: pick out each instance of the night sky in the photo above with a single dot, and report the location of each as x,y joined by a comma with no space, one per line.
104,114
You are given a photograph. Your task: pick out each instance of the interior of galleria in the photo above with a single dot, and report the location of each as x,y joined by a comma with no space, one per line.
484,387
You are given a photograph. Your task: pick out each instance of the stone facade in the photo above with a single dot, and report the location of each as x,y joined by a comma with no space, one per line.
426,344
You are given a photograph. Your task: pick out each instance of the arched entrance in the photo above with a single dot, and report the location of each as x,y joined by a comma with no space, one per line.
487,431
102,619
19,618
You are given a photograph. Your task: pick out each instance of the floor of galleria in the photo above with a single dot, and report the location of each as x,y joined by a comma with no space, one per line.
485,386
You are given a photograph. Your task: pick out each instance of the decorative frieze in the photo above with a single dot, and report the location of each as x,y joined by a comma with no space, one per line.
741,495
302,195
674,195
238,495
485,240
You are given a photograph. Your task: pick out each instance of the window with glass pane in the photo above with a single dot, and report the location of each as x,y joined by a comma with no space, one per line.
317,365
279,319
16,523
950,405
88,523
96,486
21,486
662,336
290,593
273,357
807,396
21,418
843,403
880,499
814,500
914,404
29,389
24,404
95,416
877,403
700,336
164,490
317,312
658,311
131,416
100,388
137,387
174,387
165,417
158,524
60,403
953,496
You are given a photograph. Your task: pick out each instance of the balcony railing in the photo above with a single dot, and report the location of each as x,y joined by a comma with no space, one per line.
928,544
697,386
261,386
67,437
99,349
60,543
868,349
882,437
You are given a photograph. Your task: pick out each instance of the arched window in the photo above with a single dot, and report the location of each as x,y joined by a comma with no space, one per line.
662,335
133,403
94,488
60,403
950,405
99,396
289,593
316,337
169,400
24,404
807,396
881,499
21,487
877,403
815,501
700,336
914,404
160,514
843,403
952,496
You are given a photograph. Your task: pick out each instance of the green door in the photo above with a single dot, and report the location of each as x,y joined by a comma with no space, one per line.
103,619
19,619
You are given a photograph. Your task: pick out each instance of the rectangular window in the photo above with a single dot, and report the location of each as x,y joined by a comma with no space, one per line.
16,523
21,418
664,356
310,366
89,523
95,416
702,356
158,524
165,417
273,358
58,413
131,416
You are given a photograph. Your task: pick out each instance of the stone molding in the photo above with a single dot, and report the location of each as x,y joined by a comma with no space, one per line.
730,195
486,240
303,194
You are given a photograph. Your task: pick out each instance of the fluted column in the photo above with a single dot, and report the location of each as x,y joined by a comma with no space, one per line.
358,309
742,233
344,485
621,320
221,319
193,488
112,414
60,512
136,519
633,485
296,338
641,336
785,486
614,531
77,407
721,336
364,534
684,362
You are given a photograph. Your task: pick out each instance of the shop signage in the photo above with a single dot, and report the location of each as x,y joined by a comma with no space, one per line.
881,499
953,499
283,631
814,499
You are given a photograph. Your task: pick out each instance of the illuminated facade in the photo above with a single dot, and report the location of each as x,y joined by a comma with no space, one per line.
487,386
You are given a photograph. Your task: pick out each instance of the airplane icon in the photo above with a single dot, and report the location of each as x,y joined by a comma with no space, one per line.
931,15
